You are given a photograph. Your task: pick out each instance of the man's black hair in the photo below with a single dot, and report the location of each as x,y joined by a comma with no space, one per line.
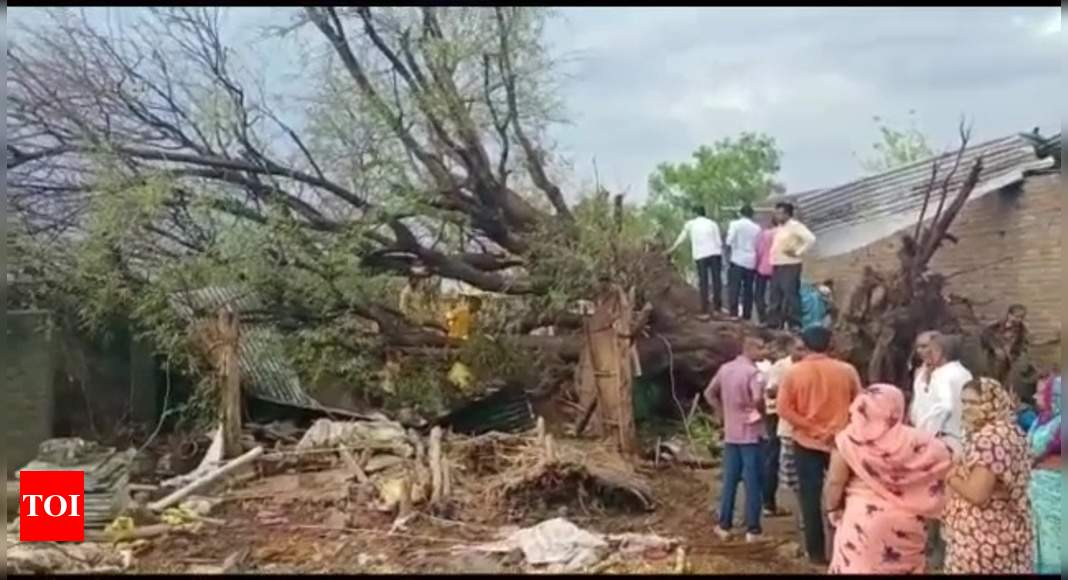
747,211
786,207
817,339
699,210
1017,309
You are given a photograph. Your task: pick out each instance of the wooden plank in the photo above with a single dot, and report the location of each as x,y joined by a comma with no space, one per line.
229,382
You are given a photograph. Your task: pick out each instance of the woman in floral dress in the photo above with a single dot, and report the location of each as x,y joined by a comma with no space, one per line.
988,526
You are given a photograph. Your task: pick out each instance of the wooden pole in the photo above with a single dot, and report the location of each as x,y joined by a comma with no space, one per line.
229,382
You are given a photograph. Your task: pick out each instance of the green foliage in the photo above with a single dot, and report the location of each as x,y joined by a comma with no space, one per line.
896,147
729,173
577,262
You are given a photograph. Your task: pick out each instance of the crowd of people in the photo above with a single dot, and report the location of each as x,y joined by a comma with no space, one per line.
763,268
959,474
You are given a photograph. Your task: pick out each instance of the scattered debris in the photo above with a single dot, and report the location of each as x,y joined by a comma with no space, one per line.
206,479
378,435
228,566
557,543
53,558
561,546
107,474
211,460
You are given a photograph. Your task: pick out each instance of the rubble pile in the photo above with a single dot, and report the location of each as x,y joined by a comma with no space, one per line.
107,475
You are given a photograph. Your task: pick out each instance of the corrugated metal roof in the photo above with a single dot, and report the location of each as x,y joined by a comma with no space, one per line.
901,191
265,372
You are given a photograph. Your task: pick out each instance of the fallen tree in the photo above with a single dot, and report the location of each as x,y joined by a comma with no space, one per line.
147,165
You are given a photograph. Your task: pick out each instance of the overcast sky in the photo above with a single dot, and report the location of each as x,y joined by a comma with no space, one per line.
655,83
647,85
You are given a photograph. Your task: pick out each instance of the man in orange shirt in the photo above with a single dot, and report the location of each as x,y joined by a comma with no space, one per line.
814,399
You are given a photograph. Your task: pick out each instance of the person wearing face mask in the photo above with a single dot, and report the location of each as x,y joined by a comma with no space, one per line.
988,524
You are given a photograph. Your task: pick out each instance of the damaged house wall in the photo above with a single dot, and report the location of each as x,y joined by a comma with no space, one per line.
65,383
1009,251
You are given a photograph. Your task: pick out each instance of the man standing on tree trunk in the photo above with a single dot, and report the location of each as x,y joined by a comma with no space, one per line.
764,270
814,399
742,236
706,245
792,240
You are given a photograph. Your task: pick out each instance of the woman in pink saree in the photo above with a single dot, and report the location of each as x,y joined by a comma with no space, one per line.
886,479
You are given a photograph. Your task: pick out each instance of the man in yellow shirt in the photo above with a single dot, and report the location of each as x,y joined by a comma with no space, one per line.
792,239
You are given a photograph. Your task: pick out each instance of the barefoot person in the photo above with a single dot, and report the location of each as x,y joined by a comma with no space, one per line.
885,479
736,393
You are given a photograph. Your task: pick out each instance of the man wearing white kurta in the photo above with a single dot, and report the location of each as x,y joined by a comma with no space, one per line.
706,245
936,404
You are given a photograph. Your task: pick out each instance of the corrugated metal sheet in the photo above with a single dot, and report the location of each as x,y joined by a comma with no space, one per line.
506,410
264,370
902,190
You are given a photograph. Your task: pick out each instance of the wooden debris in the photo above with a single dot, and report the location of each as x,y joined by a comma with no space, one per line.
352,465
205,479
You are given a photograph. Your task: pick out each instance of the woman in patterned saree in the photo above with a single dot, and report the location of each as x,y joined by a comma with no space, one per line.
1047,479
885,481
988,526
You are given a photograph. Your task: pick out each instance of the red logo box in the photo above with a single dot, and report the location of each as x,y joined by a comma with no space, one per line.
51,506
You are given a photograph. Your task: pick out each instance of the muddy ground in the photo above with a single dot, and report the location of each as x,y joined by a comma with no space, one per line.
307,523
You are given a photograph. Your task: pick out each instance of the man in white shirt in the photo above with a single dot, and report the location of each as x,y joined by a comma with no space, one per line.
706,245
792,240
936,408
779,463
742,235
936,404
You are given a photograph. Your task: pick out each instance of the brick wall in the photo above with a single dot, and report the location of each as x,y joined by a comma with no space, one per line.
1009,251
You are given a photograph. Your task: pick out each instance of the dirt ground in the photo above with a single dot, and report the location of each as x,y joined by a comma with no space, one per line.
305,523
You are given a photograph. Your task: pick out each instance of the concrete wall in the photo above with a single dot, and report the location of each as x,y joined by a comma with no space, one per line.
1009,252
29,399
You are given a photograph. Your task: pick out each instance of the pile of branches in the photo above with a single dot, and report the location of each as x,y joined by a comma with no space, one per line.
529,476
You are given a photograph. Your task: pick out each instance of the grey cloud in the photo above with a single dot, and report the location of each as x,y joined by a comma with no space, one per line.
813,77
647,85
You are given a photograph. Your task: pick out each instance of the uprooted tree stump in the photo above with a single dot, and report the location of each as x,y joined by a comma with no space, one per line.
889,309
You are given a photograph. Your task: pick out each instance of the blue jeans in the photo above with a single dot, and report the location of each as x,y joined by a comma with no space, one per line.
742,463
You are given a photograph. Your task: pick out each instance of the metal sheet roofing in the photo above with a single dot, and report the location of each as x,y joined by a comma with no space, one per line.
265,372
903,189
898,195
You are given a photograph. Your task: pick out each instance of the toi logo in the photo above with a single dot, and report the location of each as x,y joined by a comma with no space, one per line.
51,506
